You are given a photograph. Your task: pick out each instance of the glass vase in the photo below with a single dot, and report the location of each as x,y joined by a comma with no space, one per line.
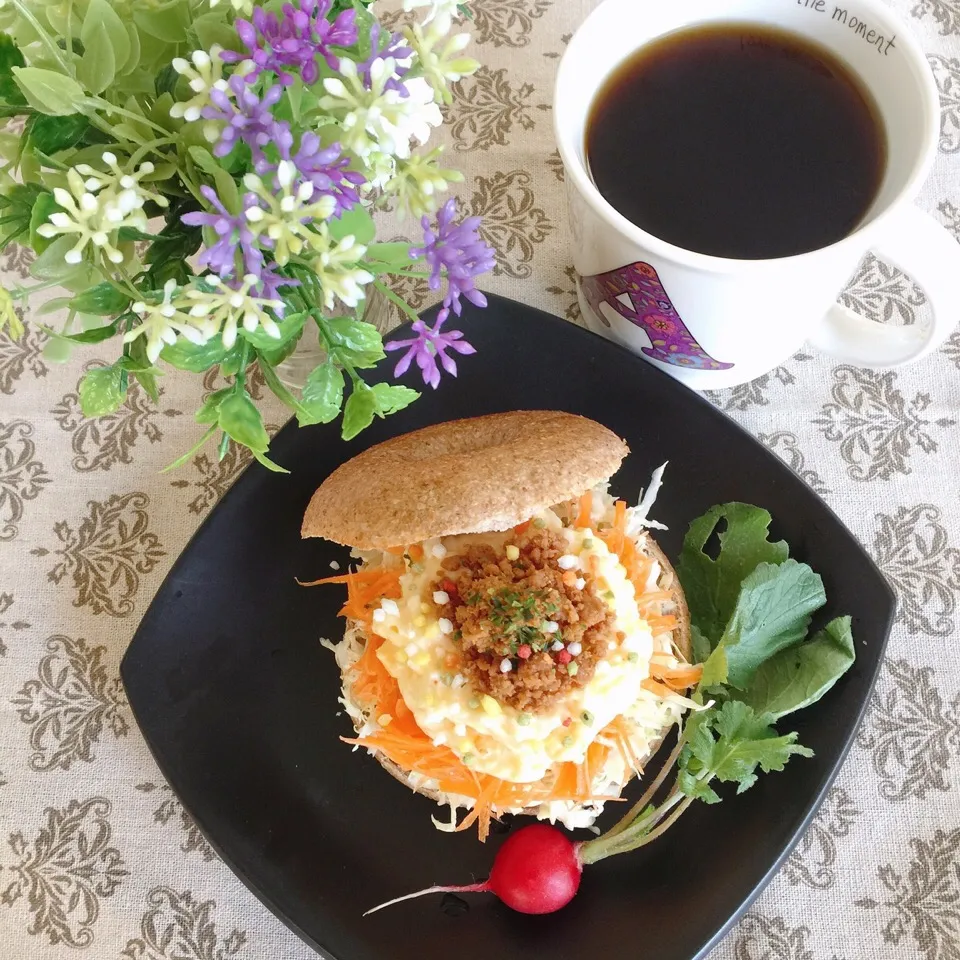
293,371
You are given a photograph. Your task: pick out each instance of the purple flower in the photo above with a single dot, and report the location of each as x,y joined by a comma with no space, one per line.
293,40
322,166
457,250
270,284
248,118
395,48
429,344
234,234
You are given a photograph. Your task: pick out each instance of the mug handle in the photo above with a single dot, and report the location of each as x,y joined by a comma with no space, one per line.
927,252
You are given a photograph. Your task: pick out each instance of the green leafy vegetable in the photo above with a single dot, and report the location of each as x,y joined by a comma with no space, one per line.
798,677
773,612
712,586
751,607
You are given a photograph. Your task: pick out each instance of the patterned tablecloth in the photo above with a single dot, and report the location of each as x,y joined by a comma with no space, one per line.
97,857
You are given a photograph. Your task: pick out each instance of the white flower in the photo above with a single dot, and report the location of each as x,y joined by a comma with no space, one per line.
9,318
204,74
337,269
285,213
379,118
241,6
440,15
224,308
439,58
380,169
162,322
417,183
95,209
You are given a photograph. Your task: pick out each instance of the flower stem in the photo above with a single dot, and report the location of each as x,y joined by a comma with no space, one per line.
396,299
45,37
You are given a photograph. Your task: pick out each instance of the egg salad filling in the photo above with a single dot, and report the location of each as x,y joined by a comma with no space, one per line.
529,669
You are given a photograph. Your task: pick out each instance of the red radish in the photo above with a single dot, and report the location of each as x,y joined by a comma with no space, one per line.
536,871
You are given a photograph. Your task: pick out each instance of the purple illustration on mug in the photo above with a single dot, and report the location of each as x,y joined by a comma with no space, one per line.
651,309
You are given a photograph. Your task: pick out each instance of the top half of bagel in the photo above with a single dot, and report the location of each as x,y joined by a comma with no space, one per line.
465,476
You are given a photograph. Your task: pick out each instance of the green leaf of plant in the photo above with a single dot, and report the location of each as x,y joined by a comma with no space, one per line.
282,393
355,342
356,222
50,92
98,65
186,457
226,186
103,300
10,57
170,23
265,461
16,208
323,394
94,335
393,397
103,391
212,28
800,676
195,357
290,326
42,208
241,421
359,411
50,135
713,586
773,612
209,411
100,13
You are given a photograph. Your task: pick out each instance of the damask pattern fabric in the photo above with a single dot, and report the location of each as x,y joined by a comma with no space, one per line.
97,857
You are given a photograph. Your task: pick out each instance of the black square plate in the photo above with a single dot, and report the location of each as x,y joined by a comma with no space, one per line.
238,700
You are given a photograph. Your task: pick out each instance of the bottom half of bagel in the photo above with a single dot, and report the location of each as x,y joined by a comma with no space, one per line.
571,791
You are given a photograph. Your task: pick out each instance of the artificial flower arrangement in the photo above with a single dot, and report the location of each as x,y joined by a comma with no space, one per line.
201,175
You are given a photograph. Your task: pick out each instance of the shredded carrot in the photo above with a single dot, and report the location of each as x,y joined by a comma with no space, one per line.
661,690
358,576
586,510
678,678
522,528
661,623
415,551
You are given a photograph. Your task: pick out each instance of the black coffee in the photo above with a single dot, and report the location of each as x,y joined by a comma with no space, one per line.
737,140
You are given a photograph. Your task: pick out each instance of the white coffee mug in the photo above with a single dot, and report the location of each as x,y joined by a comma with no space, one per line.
713,322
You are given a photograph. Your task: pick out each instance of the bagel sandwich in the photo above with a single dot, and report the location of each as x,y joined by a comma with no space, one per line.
516,641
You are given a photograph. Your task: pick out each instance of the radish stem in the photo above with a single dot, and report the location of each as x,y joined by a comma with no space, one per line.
644,801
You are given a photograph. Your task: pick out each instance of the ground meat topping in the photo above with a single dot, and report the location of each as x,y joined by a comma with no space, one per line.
528,630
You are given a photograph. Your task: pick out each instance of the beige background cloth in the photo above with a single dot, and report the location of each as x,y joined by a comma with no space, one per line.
97,857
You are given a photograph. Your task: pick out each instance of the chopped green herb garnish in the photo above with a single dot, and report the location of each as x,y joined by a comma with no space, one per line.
524,719
587,717
539,523
633,657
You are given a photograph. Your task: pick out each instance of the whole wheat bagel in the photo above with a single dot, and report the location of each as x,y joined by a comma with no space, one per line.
465,476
